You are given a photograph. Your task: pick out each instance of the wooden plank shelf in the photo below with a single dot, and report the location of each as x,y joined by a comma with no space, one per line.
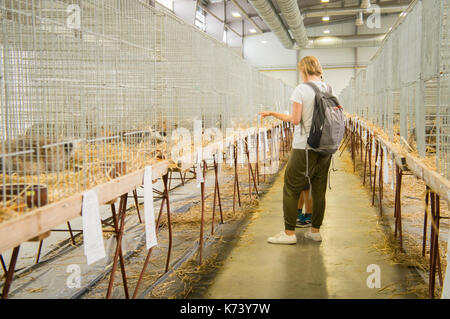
436,182
41,220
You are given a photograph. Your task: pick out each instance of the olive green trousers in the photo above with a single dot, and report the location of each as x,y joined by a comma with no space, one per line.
295,181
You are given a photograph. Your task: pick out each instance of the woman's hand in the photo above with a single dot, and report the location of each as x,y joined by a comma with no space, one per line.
265,114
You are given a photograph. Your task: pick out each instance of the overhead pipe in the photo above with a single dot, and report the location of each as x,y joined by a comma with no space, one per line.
356,41
349,11
294,19
267,12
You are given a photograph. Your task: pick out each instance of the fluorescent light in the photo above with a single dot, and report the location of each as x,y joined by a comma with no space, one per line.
236,14
403,14
326,31
252,30
325,18
325,1
263,41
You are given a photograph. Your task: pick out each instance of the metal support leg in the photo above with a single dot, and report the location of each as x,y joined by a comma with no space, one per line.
236,181
71,233
202,189
10,272
398,205
149,253
118,254
380,183
374,175
136,203
251,176
365,164
257,157
425,221
38,256
370,161
169,223
352,141
216,193
2,261
432,272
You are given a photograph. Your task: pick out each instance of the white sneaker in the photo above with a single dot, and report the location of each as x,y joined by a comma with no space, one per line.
313,236
282,238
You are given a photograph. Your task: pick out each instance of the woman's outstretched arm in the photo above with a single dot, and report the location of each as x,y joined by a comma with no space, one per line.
294,118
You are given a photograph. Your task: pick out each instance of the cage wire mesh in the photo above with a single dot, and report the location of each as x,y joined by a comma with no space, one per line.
91,90
405,89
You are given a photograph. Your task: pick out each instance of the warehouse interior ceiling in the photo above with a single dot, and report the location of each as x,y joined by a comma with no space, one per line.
240,18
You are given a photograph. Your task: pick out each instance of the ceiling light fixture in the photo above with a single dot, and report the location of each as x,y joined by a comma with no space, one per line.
236,14
326,31
325,18
325,1
252,30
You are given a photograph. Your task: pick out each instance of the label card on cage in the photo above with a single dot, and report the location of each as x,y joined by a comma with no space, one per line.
149,211
385,166
94,247
231,155
266,142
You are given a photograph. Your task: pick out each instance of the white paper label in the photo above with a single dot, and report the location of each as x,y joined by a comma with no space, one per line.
393,171
385,166
149,211
266,142
94,247
373,147
231,159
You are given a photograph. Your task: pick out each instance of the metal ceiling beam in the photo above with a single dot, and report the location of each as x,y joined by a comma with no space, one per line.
349,11
220,20
244,13
357,41
339,21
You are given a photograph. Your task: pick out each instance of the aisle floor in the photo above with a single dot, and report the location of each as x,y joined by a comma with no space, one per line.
335,268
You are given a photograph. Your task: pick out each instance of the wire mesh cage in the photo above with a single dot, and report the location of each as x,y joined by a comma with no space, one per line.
92,90
405,89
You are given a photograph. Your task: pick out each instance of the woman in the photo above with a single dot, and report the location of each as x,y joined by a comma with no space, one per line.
295,180
304,219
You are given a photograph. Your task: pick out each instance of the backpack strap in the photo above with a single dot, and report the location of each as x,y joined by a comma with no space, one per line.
316,88
313,86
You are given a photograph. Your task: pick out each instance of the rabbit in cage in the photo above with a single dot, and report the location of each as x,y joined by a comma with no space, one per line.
36,155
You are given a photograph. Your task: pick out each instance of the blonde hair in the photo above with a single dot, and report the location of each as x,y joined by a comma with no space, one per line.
310,65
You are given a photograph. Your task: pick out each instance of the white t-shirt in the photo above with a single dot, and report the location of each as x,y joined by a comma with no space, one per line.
304,94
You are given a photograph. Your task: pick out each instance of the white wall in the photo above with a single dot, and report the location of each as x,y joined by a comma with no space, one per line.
337,63
268,55
271,57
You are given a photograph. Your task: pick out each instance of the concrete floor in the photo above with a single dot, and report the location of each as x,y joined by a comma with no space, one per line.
334,268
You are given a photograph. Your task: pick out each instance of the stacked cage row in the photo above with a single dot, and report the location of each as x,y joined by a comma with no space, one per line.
91,90
405,89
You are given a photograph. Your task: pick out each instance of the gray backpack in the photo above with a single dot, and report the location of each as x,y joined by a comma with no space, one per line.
328,123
